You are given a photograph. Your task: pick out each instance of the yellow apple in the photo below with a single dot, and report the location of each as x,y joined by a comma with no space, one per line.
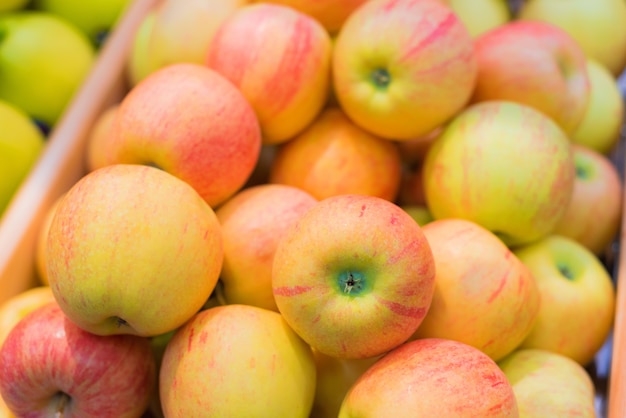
97,139
481,16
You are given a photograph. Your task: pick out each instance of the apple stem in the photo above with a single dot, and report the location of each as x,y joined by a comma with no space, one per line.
61,406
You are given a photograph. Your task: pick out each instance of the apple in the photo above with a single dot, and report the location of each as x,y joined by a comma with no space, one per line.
252,223
138,63
97,138
132,250
239,361
481,16
428,378
535,64
95,18
599,27
330,13
41,245
594,214
354,277
191,122
21,144
334,378
549,384
17,307
603,119
503,165
72,373
280,60
43,60
334,156
403,68
484,295
577,298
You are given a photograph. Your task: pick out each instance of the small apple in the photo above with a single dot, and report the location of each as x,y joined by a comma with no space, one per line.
43,61
535,64
593,216
403,68
548,384
238,361
191,122
280,60
602,122
431,378
481,16
132,250
21,144
69,372
503,165
334,156
599,27
354,277
252,223
577,298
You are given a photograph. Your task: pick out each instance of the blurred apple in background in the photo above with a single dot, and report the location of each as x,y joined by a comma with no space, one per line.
577,298
431,378
280,60
344,286
484,295
603,119
503,165
403,68
98,136
43,61
480,16
191,122
599,26
239,361
72,373
21,144
334,156
535,64
17,307
132,250
95,18
41,249
593,216
330,13
252,223
139,64
548,384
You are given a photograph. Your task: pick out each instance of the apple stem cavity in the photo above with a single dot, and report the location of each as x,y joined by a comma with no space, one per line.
120,322
381,78
566,272
63,401
351,283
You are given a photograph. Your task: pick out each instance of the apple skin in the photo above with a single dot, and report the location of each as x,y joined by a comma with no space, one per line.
403,68
431,378
503,165
191,122
21,144
577,298
484,295
95,376
594,214
354,277
535,64
603,119
43,60
98,137
280,60
132,250
237,360
599,27
480,16
41,247
252,223
334,156
548,384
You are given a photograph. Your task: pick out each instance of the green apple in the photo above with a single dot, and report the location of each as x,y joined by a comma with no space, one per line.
503,165
577,298
354,277
481,15
598,26
12,5
602,122
132,249
139,65
21,143
95,18
548,384
43,61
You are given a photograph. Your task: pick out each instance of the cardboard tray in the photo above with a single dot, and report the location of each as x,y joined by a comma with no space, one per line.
63,163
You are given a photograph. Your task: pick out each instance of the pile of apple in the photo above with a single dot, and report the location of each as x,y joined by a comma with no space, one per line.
379,208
